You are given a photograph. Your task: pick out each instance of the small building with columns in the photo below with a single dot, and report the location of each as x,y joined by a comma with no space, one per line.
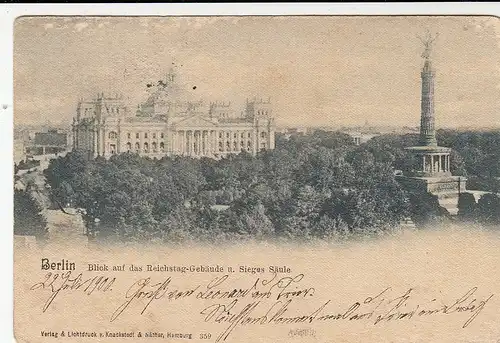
432,170
167,124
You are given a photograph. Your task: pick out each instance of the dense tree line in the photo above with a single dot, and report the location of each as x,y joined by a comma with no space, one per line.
485,211
311,186
319,185
480,153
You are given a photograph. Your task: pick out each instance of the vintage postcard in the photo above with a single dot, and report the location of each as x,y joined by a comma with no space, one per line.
257,179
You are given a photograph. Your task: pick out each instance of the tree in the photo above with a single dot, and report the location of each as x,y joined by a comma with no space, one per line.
331,228
467,207
28,219
457,164
425,210
177,226
488,208
303,213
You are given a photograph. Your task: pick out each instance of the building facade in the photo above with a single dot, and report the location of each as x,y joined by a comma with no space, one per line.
166,125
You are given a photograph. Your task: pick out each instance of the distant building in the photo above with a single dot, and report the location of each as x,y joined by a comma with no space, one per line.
432,174
297,130
359,137
167,124
50,142
287,132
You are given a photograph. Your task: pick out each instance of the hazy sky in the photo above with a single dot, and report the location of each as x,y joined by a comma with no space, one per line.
326,70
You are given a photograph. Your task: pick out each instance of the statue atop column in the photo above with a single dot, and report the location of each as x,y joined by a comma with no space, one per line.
428,41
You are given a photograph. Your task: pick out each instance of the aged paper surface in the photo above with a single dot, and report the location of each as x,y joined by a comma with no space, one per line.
257,179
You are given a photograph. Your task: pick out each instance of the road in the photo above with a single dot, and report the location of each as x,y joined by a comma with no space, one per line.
65,229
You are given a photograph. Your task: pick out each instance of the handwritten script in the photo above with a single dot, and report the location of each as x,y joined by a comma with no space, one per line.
274,300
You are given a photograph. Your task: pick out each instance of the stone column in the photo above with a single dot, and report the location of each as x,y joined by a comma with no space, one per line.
211,138
191,143
95,148
241,139
204,137
180,136
179,142
219,140
225,140
423,164
216,141
215,147
173,149
236,140
103,142
213,143
73,137
210,141
118,148
194,144
198,142
232,141
196,136
183,142
205,142
200,148
254,141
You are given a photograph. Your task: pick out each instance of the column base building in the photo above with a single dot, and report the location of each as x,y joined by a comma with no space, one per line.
166,125
433,175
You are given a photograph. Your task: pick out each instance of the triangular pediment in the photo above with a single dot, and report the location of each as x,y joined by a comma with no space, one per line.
195,121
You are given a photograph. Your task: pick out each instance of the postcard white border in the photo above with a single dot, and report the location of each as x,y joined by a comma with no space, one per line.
9,12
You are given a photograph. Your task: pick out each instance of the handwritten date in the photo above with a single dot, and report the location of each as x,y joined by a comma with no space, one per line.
58,283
